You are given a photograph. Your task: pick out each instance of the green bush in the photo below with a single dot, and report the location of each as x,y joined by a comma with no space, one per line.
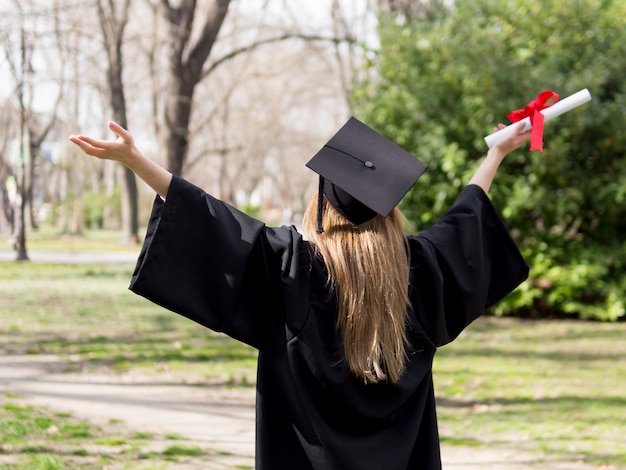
440,82
98,205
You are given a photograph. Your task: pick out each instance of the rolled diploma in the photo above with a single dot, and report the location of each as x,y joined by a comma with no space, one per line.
558,108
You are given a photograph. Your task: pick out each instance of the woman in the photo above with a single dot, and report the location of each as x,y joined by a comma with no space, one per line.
346,322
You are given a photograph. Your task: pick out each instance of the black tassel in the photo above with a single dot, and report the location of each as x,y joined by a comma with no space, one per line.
320,206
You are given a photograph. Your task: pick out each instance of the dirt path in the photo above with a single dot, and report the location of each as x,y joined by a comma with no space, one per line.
219,420
200,415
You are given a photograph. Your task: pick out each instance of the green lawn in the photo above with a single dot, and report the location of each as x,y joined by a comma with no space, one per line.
48,238
86,314
35,438
558,387
553,388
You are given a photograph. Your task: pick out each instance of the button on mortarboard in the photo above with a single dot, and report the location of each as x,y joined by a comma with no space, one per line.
367,166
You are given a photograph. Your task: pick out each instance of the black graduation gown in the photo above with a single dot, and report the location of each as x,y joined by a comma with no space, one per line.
217,266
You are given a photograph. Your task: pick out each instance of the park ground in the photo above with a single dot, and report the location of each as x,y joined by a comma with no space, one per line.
220,418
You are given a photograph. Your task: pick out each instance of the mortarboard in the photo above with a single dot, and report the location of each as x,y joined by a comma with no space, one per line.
363,173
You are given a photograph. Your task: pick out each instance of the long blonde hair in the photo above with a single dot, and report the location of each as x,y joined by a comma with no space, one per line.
368,269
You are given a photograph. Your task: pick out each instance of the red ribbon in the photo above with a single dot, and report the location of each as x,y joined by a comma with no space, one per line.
533,110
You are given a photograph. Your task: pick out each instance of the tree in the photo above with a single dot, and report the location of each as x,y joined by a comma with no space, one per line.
188,65
113,18
26,41
301,89
412,10
186,61
18,53
442,82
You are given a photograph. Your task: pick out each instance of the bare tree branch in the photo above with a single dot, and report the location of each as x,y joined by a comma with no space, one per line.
207,38
250,47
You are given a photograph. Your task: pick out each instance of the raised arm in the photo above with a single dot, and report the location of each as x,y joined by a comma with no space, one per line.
485,173
123,150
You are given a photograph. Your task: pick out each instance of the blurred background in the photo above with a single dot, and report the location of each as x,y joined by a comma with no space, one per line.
236,96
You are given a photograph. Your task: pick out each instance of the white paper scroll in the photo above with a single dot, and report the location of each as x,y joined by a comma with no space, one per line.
558,108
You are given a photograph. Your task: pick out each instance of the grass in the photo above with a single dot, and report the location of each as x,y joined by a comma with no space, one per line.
550,388
35,438
86,314
553,387
48,238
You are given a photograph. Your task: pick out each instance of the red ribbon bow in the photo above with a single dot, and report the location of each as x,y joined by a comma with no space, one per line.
533,110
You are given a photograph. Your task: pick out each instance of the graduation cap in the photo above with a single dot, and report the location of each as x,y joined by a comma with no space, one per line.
363,173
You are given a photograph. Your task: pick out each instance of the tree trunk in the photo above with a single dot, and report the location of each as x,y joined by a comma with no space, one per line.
113,32
177,117
185,72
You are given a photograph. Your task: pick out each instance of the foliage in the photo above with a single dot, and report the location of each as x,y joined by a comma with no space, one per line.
252,210
441,82
97,204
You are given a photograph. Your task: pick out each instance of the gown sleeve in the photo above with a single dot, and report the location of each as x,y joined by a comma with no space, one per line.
463,264
217,266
